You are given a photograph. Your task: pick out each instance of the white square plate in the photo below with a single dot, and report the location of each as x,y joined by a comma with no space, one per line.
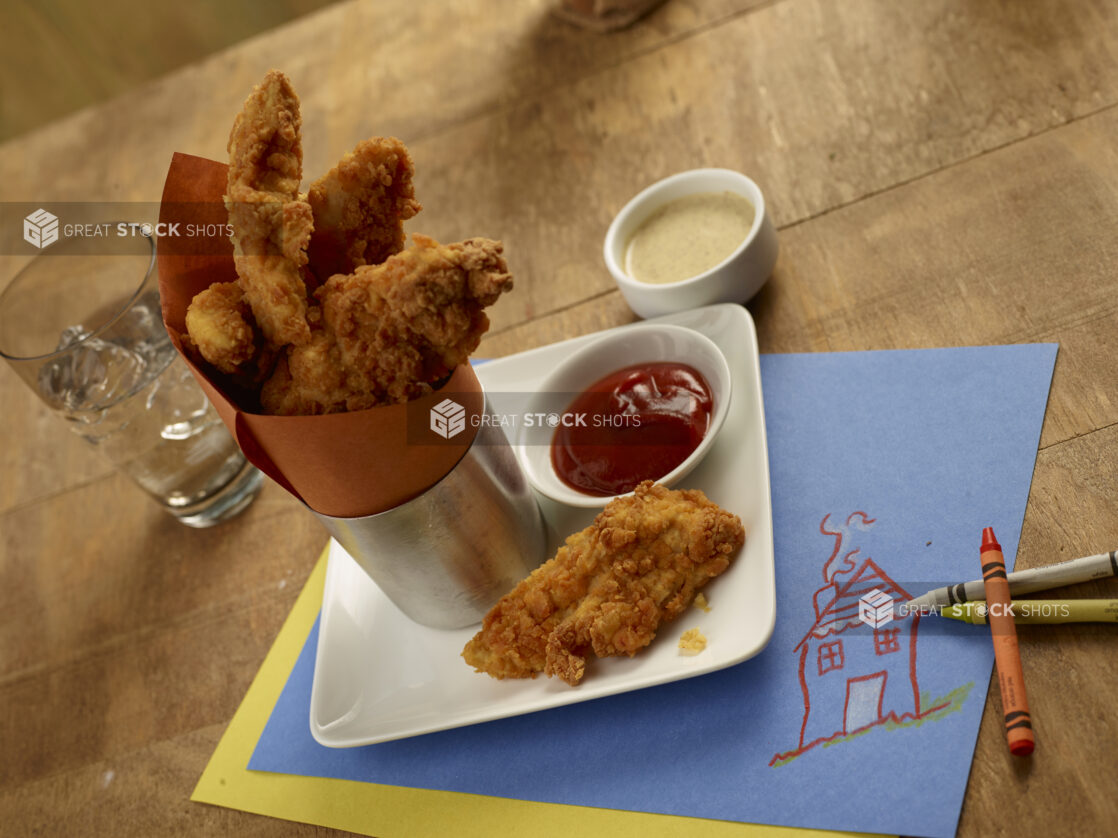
379,676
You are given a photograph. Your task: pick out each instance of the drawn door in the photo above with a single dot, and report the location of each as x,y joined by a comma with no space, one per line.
863,701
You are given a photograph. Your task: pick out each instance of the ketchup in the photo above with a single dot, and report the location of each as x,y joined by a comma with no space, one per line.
637,423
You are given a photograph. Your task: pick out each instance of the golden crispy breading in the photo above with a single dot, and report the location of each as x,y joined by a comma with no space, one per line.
384,325
414,318
271,222
219,323
360,207
390,331
308,380
609,588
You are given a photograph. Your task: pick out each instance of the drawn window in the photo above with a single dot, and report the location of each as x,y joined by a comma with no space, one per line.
885,641
830,656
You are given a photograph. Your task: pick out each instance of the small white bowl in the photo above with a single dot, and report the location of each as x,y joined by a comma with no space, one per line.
642,343
734,280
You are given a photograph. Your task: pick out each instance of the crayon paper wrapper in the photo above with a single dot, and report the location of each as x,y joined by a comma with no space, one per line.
344,465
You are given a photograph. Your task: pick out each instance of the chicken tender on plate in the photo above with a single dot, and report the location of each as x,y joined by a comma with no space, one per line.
609,587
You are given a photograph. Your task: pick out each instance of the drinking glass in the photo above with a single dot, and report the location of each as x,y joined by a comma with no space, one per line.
81,325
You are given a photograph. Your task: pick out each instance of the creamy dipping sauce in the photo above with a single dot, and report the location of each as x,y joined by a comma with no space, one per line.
688,236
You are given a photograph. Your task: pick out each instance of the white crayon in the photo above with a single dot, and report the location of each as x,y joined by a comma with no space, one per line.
1070,572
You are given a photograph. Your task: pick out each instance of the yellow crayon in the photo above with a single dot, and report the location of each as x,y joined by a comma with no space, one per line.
1040,611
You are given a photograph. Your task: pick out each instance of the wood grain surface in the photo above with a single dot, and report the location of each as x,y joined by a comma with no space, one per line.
942,173
98,52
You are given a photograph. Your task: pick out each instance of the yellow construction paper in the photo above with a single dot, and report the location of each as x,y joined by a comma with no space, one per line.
398,812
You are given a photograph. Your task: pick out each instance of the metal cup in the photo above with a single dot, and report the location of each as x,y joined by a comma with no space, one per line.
445,557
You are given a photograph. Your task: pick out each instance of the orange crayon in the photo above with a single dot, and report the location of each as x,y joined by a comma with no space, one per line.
1011,681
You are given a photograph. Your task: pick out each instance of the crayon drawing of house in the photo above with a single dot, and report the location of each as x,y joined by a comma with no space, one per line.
857,661
851,673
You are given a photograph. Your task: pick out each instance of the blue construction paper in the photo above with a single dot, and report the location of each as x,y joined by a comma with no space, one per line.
885,467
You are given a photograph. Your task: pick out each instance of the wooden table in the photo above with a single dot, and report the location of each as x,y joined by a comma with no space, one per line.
943,173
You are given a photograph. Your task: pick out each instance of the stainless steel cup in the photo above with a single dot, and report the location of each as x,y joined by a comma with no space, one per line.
445,557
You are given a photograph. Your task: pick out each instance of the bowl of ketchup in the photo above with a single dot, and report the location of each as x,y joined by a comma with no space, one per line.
644,402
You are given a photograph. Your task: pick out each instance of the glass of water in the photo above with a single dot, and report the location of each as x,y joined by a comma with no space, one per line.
81,325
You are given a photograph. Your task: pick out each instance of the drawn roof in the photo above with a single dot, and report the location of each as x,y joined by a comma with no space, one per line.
840,612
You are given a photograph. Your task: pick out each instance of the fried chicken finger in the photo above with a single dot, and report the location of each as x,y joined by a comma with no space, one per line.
271,222
609,587
360,207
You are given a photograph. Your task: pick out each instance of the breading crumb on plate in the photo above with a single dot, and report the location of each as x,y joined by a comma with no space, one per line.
692,642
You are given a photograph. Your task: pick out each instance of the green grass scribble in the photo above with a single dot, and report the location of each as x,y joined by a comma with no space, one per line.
945,705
